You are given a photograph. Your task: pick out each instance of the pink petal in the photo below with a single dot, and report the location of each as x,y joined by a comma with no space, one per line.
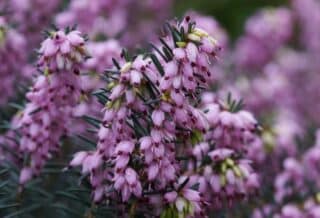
75,38
157,117
78,158
131,176
25,175
170,196
153,171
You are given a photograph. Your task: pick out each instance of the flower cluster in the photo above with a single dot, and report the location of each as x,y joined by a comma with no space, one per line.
295,188
266,31
101,54
153,120
308,14
221,166
212,27
30,17
46,117
109,18
12,58
310,208
106,17
161,131
230,129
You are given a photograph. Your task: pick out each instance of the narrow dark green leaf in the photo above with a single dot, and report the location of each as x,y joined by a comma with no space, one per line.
125,54
151,85
92,120
68,210
24,211
167,54
3,171
7,206
16,106
159,52
157,64
182,33
191,26
115,62
88,141
73,197
3,184
166,45
183,184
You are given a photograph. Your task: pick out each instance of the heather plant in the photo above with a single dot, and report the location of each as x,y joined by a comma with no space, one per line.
109,109
153,118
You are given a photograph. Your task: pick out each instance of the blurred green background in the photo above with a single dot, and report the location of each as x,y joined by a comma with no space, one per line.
230,13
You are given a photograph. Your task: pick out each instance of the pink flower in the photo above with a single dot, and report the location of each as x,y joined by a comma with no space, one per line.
78,158
158,117
47,115
170,196
220,154
25,175
125,147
